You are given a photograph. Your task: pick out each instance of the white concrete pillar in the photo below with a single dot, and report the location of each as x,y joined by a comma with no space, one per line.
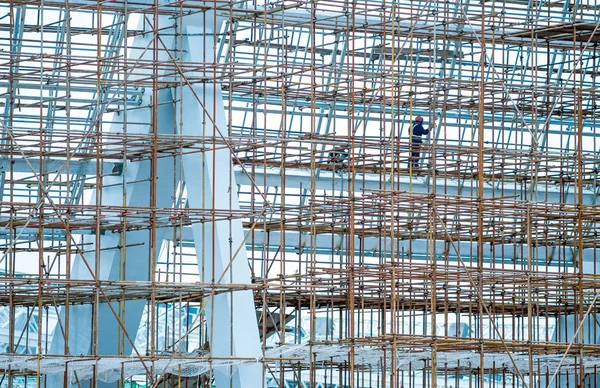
210,179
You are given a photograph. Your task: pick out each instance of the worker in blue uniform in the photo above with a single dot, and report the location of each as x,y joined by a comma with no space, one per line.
415,144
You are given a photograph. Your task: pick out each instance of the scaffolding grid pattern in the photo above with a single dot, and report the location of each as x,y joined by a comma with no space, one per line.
376,258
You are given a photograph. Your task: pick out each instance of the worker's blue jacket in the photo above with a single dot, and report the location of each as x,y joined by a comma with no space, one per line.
417,132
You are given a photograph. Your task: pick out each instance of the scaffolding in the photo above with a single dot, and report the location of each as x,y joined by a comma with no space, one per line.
230,194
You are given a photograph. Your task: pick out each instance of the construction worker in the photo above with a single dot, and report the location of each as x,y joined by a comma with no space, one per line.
338,155
338,158
415,147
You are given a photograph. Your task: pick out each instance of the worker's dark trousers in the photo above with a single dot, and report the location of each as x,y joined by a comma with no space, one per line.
415,153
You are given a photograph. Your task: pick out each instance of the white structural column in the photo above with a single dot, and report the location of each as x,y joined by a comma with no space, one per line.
119,259
210,181
121,256
231,319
